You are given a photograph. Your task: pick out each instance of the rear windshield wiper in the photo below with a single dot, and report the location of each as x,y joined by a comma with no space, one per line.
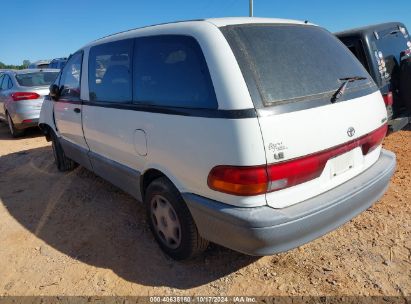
340,91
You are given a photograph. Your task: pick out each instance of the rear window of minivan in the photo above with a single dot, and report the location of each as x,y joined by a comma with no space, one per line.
290,63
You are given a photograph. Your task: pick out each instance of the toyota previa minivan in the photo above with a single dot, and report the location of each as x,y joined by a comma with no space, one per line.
256,134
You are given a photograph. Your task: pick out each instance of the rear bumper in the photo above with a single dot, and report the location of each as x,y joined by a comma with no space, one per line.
398,123
23,120
25,113
26,123
265,230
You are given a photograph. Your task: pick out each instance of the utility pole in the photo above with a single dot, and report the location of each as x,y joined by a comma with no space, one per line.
251,8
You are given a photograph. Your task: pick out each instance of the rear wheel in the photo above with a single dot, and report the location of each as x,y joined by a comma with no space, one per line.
171,221
13,131
62,161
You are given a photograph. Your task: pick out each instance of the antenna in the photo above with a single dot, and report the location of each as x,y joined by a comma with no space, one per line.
251,8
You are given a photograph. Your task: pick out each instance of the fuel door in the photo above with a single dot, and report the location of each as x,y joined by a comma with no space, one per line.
140,142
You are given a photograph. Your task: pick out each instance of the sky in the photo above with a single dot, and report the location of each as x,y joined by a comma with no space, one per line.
47,29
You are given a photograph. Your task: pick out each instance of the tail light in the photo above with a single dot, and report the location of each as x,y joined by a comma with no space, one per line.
406,53
242,181
247,181
17,96
388,99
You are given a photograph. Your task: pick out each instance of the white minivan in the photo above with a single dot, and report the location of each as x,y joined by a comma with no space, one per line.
256,134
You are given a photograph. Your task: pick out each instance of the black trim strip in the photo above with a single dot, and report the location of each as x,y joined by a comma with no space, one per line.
229,114
208,113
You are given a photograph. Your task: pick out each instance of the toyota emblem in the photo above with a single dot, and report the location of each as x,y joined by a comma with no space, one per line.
350,131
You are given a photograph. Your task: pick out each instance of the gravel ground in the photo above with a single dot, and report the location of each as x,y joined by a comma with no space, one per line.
75,234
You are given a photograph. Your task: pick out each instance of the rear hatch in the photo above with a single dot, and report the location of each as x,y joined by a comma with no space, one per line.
314,138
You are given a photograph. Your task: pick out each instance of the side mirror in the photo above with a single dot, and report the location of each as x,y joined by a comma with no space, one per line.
54,92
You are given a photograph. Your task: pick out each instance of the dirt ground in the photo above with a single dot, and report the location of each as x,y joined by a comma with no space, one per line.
75,234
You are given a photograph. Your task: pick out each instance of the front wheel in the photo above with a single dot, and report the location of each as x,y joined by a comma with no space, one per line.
13,131
171,222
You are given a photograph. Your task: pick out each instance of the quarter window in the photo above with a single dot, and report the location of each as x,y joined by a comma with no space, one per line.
70,77
110,72
171,71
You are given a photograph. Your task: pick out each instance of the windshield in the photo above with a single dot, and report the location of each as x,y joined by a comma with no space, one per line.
36,79
293,62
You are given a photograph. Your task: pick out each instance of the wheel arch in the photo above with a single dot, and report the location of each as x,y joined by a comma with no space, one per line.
47,122
154,172
46,130
147,177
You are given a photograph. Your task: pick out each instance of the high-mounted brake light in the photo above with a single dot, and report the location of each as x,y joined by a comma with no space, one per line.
17,96
388,99
248,181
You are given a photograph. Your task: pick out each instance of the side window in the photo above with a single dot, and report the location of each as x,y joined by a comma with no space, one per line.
109,77
70,77
5,83
1,81
171,70
357,49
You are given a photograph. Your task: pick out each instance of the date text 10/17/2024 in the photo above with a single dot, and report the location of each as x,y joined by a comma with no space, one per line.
202,299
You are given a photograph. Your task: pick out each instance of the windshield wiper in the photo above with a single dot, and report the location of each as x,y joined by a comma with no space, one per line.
340,91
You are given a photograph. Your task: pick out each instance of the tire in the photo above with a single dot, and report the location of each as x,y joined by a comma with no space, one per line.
171,222
62,161
13,131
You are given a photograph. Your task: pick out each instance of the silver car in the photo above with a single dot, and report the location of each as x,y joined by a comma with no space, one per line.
21,97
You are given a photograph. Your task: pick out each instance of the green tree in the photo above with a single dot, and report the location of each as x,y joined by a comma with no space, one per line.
11,66
26,63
